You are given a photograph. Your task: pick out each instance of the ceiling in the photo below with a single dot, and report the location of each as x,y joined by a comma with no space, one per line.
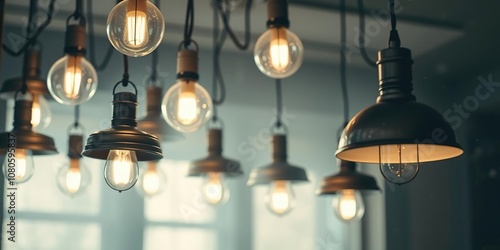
450,42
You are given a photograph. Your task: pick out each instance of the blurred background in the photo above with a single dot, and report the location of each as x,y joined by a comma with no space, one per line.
451,204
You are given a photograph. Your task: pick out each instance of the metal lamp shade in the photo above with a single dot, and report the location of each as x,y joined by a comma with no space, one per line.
347,178
153,122
25,138
123,135
279,169
215,162
397,120
34,82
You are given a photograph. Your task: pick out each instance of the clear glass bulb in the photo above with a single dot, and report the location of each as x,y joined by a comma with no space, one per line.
151,181
73,177
280,198
399,164
72,80
18,166
214,188
348,205
41,114
278,52
186,106
121,170
135,27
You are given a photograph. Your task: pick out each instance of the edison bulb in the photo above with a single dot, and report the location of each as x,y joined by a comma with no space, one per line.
214,188
280,198
121,170
72,80
151,181
278,52
348,205
73,177
18,166
186,106
135,27
41,114
399,163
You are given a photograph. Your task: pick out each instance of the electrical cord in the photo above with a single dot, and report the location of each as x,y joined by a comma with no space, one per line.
394,41
343,81
189,24
224,14
361,39
32,38
107,57
279,103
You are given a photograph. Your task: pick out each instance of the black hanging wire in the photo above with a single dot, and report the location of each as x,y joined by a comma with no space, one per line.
343,81
189,24
361,39
279,104
29,29
31,38
125,79
225,15
218,84
109,52
154,58
394,36
77,116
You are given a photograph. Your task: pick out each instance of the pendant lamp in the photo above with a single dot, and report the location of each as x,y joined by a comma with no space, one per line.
397,132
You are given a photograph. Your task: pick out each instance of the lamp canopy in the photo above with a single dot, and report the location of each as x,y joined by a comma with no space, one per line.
215,162
123,134
347,178
279,169
25,137
153,122
397,120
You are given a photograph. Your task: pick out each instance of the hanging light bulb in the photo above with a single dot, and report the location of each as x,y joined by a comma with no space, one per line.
187,105
20,167
22,143
280,198
278,52
121,170
214,188
73,177
398,133
348,205
279,175
214,169
123,145
41,115
72,80
135,27
151,181
346,186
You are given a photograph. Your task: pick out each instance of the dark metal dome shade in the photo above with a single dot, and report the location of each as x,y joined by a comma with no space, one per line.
34,82
39,144
392,123
25,138
123,135
215,162
347,178
153,122
397,127
145,145
279,169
